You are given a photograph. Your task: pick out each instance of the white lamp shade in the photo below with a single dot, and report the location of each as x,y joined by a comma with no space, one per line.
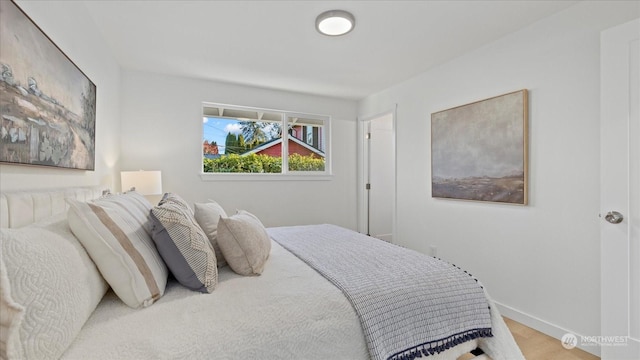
144,182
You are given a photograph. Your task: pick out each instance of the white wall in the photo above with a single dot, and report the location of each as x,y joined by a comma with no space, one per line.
541,260
71,28
162,130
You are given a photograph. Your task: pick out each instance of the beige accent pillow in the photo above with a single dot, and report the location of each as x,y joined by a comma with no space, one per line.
244,242
207,215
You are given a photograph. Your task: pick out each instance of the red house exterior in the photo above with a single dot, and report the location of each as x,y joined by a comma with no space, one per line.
294,148
309,135
209,149
274,148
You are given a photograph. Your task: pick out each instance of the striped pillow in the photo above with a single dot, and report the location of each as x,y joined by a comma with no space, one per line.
115,233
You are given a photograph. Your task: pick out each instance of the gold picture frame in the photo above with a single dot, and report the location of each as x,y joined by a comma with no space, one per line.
479,151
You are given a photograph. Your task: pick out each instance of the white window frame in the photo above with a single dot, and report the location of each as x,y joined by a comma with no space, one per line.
285,174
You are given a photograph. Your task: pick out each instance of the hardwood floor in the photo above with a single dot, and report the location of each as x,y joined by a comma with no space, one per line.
538,346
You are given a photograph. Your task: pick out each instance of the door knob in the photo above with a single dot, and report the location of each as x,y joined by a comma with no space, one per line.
614,217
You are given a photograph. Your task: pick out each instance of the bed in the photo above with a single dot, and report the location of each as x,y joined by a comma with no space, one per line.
56,303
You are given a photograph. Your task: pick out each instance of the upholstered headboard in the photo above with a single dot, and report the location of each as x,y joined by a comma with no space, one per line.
21,208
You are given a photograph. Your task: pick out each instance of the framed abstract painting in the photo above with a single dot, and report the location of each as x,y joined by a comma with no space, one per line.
47,104
479,151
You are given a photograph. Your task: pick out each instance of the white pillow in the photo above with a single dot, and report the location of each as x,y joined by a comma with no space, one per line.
114,232
207,215
49,288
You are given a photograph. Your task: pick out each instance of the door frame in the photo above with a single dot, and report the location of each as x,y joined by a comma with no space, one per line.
363,170
615,104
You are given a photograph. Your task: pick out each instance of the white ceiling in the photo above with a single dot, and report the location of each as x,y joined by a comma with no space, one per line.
274,44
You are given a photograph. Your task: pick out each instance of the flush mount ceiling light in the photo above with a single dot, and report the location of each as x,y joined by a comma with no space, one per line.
335,22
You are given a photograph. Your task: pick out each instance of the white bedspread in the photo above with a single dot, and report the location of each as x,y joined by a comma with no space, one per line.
289,312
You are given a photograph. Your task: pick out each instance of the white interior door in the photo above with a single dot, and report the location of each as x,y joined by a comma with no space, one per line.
381,177
620,192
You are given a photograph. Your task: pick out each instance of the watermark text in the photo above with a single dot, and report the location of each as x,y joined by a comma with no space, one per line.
570,341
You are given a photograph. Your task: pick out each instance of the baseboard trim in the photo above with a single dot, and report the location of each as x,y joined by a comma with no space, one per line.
543,326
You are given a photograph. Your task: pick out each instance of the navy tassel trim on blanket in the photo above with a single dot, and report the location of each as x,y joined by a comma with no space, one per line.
438,346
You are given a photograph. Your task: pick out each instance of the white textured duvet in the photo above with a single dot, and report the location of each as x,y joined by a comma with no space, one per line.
289,312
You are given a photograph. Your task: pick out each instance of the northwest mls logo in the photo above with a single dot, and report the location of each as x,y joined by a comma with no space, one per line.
569,341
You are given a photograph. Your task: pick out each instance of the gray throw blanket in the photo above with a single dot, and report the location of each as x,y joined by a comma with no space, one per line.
409,304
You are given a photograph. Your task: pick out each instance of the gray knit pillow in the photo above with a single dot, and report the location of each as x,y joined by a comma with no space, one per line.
184,247
176,199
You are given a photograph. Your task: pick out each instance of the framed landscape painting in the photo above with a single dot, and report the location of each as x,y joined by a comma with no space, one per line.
47,104
479,150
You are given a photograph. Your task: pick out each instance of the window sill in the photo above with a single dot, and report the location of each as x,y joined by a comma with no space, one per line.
263,177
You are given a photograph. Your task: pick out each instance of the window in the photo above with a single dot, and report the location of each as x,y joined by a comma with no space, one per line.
306,148
243,140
